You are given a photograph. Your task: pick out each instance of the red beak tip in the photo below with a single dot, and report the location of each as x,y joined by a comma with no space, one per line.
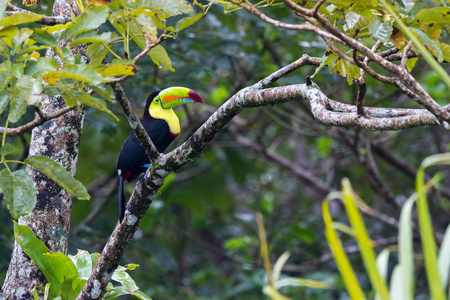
194,96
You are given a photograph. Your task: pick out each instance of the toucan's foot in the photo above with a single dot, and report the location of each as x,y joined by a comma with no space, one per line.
148,166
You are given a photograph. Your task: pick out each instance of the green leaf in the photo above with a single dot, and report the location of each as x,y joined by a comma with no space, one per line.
20,18
91,37
87,99
104,90
436,15
76,72
295,281
159,56
36,249
98,52
71,287
18,104
444,258
29,89
59,174
61,266
380,31
425,39
40,67
18,191
363,240
347,273
405,249
426,228
4,99
9,149
278,266
120,275
188,21
445,48
43,37
120,291
169,8
91,19
83,262
20,38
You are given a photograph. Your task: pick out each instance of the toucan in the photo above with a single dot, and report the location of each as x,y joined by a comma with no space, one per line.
162,126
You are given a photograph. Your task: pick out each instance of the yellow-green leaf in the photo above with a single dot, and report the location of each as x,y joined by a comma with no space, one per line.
20,18
116,70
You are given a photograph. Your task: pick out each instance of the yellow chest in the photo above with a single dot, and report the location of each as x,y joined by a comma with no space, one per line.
157,112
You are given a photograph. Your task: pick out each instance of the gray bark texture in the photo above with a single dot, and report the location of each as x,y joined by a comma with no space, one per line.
58,139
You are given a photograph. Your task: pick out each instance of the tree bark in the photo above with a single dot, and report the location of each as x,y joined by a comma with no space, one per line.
58,139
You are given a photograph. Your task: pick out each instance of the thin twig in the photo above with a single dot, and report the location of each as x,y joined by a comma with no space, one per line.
39,119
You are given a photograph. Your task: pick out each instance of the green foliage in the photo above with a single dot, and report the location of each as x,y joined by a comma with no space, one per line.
402,279
59,174
66,275
23,70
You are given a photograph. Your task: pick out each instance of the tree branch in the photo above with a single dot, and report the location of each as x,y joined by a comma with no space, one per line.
38,120
45,20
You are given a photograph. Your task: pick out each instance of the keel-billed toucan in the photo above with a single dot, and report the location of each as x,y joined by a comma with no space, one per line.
161,124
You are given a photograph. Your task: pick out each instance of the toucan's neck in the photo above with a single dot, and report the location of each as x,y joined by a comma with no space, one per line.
157,112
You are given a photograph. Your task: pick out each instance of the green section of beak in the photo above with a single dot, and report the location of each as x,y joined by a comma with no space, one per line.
175,96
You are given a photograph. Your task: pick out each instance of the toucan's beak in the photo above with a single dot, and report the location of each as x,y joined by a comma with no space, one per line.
175,96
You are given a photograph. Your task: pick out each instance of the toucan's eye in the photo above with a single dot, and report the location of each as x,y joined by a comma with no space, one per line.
156,100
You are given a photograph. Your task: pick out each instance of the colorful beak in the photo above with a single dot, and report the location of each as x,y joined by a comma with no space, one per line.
175,96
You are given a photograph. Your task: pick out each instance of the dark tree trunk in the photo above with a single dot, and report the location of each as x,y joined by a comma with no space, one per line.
58,139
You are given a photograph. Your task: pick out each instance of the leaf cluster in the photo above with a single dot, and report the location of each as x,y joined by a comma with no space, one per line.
67,274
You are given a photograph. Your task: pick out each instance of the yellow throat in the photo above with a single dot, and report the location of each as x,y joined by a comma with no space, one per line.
156,111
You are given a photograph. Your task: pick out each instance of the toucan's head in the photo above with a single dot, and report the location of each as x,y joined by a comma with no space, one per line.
170,98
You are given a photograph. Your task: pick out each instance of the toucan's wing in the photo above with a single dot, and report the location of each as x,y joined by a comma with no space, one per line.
132,156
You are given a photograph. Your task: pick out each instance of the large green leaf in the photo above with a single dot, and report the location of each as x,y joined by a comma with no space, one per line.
36,249
18,191
20,18
59,174
91,19
380,30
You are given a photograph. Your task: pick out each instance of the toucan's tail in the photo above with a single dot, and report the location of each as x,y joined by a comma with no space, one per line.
121,200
